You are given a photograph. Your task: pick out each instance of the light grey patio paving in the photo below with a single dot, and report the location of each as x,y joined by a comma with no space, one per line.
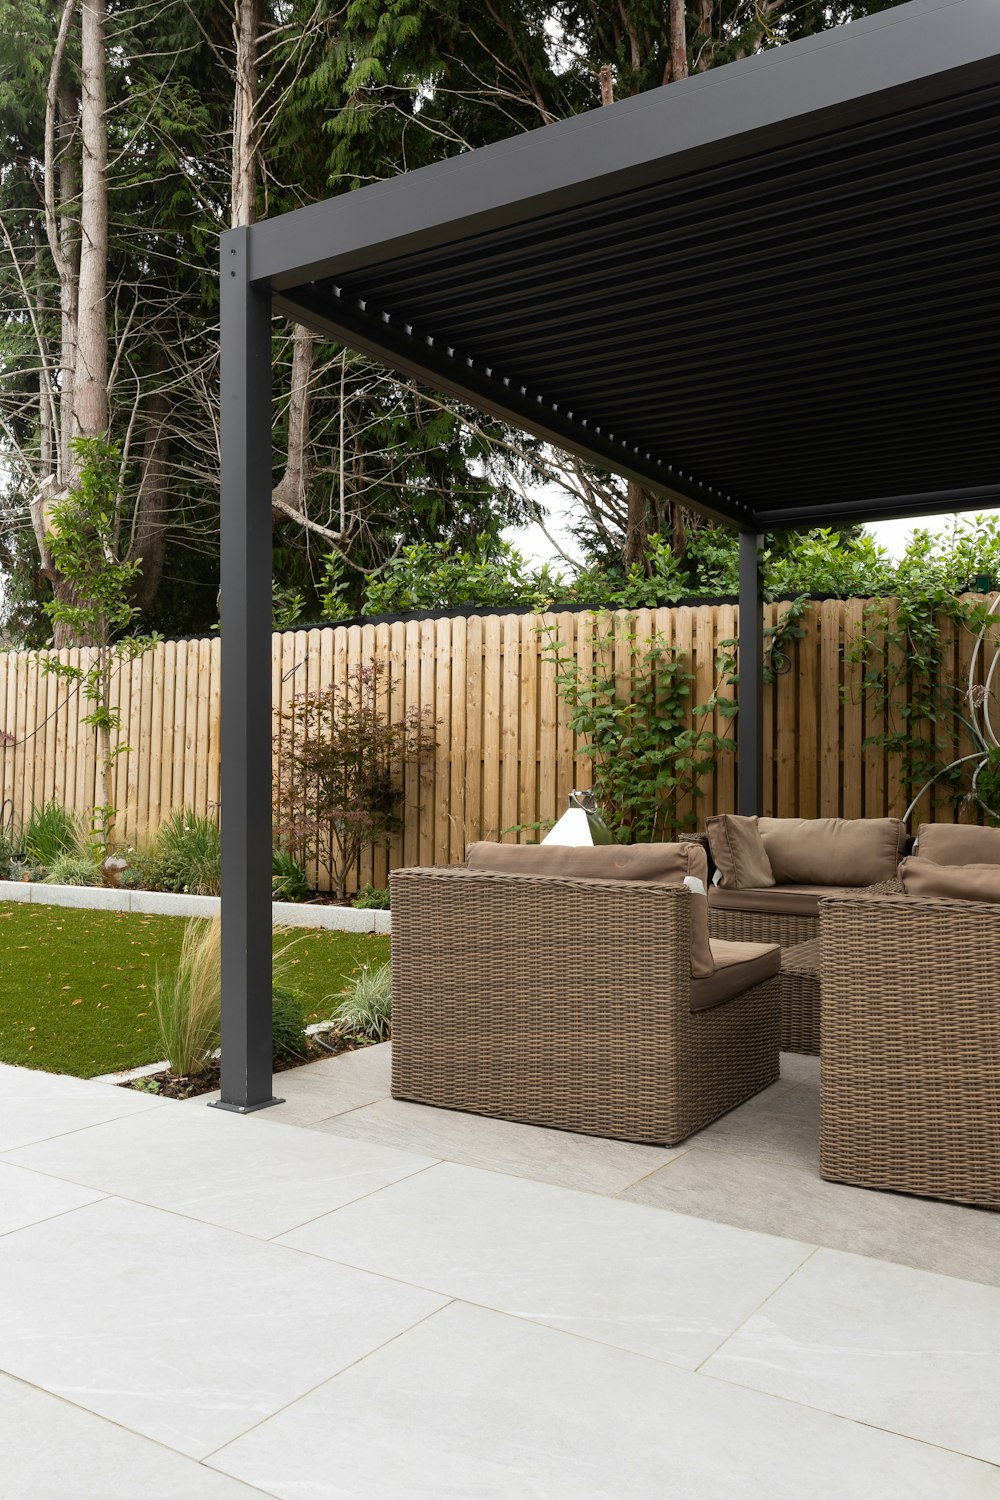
488,1406
757,1168
431,1328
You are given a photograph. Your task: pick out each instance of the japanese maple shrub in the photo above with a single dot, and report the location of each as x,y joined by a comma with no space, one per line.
339,770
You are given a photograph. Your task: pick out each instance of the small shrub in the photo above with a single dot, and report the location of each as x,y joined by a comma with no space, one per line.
372,898
339,765
187,1006
74,869
289,881
365,1011
186,855
288,1026
52,831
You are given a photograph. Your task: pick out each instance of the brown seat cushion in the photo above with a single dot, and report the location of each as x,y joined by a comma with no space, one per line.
833,851
779,901
922,877
663,864
738,851
738,966
958,844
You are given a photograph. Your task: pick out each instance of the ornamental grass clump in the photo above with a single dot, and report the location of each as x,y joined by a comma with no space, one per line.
364,1011
51,832
187,1005
186,855
74,869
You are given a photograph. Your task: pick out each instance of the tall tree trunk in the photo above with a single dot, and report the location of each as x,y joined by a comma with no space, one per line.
246,31
90,397
636,526
678,41
152,506
46,407
289,494
69,282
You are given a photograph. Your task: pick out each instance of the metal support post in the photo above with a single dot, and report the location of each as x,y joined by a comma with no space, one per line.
750,725
246,682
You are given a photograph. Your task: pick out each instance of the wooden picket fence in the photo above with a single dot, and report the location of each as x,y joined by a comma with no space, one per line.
506,757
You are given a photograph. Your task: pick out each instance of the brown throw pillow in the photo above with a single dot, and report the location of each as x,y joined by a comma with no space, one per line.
922,877
833,851
958,844
663,864
739,853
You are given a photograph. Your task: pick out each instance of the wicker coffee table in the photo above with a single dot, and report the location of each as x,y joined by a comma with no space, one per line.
799,985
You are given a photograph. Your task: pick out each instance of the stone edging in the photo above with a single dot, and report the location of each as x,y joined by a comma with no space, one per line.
166,904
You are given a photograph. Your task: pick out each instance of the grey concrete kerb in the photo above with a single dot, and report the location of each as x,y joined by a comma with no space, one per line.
166,904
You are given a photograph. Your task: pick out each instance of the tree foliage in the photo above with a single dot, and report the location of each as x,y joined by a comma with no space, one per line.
341,93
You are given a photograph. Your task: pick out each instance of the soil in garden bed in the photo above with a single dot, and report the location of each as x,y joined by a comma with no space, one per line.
170,1086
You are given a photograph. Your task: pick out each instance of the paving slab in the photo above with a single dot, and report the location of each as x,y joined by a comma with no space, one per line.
53,1450
231,1170
180,1331
36,1106
784,1197
27,1197
915,1353
661,1284
472,1405
578,1161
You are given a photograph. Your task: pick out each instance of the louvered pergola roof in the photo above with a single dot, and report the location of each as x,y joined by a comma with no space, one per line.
770,289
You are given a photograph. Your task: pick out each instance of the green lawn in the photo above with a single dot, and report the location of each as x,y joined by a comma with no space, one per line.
76,987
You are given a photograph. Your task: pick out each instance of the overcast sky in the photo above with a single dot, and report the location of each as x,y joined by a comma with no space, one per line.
531,541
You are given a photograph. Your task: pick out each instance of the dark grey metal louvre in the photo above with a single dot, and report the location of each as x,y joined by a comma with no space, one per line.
769,291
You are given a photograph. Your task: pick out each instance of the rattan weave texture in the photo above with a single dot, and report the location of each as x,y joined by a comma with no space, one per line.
565,1003
800,998
911,1046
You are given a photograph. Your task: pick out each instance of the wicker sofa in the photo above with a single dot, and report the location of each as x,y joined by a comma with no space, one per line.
812,859
911,1045
808,868
568,1002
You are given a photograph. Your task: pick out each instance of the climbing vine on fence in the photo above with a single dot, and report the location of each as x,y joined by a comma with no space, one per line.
647,759
907,676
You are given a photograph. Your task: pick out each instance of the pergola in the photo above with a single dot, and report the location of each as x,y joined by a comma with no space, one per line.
768,292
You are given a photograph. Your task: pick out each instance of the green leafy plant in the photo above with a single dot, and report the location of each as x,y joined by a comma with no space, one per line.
288,1025
289,881
185,855
51,832
906,664
186,1005
364,1011
634,723
372,898
74,869
93,606
339,762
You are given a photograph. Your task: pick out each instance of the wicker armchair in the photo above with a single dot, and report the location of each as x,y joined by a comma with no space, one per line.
911,1046
565,1003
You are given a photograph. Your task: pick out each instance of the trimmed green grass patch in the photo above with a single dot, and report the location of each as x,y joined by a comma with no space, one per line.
76,987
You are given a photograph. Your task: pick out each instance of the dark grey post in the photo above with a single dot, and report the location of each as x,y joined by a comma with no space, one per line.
750,725
246,681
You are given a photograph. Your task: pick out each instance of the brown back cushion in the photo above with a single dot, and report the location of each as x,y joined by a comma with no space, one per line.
922,877
738,851
663,864
958,844
833,851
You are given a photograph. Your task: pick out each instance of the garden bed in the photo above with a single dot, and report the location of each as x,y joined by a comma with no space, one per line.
168,1086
